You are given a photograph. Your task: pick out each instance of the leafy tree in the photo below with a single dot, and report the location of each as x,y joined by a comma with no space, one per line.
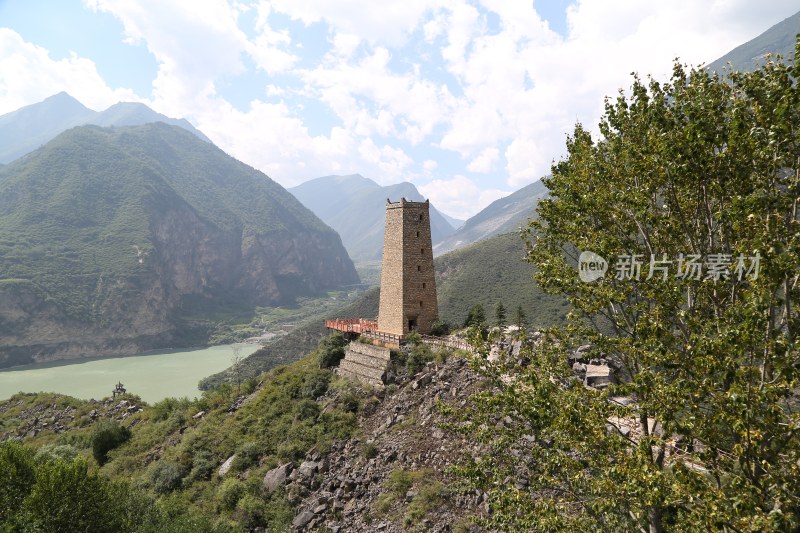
500,315
107,435
708,437
520,318
476,316
331,350
166,476
440,328
17,476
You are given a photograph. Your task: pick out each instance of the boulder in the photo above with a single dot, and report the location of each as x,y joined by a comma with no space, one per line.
308,468
302,519
226,466
276,477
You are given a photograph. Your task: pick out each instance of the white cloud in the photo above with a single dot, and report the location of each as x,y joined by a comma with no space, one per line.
386,22
28,74
459,197
370,98
485,160
404,80
392,162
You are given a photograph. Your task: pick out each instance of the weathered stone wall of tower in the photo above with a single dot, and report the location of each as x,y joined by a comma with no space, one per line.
408,287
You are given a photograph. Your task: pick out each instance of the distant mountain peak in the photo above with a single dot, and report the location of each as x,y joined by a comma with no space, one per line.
30,127
355,207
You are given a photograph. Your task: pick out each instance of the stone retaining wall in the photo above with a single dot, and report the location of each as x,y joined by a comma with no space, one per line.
365,362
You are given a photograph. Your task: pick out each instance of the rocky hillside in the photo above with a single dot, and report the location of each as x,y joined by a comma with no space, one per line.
113,241
395,476
296,448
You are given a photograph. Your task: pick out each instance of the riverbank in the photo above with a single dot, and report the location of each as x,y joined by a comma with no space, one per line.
152,375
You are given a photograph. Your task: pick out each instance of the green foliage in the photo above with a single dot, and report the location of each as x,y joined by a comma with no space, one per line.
440,328
54,494
166,476
430,494
202,468
500,315
476,316
307,409
520,318
418,357
369,450
17,477
246,456
413,338
710,368
429,498
490,271
331,350
230,492
66,452
169,407
107,435
315,384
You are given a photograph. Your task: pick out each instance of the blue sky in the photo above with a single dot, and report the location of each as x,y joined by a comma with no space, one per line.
468,99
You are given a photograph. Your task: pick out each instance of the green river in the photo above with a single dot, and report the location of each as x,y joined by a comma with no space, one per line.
153,375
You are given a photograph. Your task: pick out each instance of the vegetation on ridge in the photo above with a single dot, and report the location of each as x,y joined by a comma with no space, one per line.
702,430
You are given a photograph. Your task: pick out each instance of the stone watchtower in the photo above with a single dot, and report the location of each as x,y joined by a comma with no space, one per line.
408,288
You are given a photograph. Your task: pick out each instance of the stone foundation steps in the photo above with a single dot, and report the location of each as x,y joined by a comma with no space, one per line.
366,360
365,363
372,376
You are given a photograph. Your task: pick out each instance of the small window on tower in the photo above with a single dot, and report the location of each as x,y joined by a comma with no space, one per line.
422,251
419,268
417,235
420,303
423,285
420,216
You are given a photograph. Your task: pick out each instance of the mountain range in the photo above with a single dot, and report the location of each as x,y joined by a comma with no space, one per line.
112,240
355,207
505,215
30,127
779,39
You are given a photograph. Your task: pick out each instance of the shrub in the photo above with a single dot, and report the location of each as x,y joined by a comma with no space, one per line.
17,476
315,384
250,511
107,435
369,450
349,402
229,493
202,469
476,317
440,328
166,407
246,456
413,339
56,451
429,498
307,409
418,357
331,350
166,476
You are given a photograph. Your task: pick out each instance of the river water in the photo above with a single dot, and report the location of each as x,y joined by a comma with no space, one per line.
153,375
